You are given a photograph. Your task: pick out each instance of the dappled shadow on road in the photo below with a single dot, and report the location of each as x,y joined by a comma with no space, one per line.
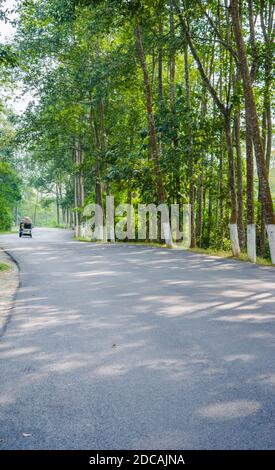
109,345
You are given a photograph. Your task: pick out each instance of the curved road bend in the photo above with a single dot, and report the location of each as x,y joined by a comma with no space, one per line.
132,347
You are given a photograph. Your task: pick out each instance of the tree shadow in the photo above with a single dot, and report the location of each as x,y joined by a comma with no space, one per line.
118,347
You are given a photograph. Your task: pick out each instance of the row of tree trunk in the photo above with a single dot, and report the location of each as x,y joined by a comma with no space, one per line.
253,136
256,144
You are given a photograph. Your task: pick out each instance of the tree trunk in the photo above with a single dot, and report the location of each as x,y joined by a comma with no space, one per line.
160,67
221,197
154,149
97,148
199,211
35,209
251,233
253,123
81,178
172,68
239,179
267,31
79,188
228,135
252,115
210,203
175,196
234,212
76,198
249,175
57,205
221,201
190,145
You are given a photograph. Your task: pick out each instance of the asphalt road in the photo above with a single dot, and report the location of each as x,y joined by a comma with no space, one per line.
132,347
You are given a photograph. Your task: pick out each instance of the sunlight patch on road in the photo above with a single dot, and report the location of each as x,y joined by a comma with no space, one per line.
251,317
230,409
240,357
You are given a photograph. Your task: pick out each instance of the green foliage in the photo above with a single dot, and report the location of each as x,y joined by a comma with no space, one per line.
7,56
4,267
5,216
9,194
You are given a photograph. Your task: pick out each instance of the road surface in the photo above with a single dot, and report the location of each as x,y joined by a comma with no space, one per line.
132,347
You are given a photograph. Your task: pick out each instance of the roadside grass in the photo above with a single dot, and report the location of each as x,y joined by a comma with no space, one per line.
88,240
228,255
145,243
5,267
8,232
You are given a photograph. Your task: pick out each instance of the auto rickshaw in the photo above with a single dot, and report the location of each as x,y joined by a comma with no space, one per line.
25,227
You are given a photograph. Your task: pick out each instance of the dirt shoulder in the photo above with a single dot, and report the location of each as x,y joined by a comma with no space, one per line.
9,282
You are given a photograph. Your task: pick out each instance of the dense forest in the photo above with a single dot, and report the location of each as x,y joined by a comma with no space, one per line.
152,101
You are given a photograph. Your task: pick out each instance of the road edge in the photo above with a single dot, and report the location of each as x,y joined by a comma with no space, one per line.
9,302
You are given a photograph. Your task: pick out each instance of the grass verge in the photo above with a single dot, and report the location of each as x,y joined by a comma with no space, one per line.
4,267
228,255
8,232
88,240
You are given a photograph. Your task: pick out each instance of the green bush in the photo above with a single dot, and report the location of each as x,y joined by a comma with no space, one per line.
9,194
5,217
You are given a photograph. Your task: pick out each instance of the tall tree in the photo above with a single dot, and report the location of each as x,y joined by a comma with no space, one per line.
254,127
